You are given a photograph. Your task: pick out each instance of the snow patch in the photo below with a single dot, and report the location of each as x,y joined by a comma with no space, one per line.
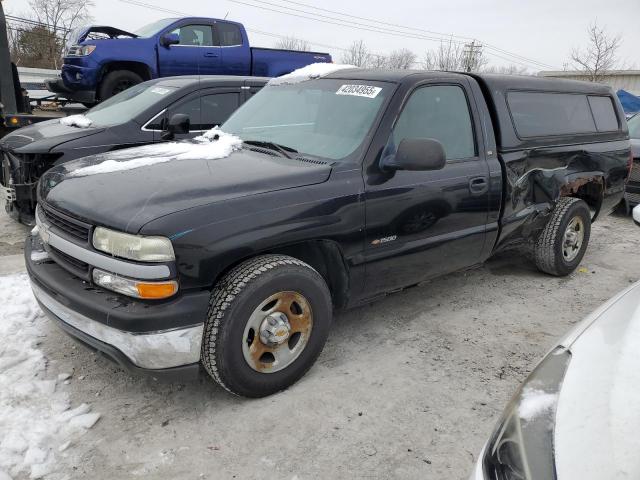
310,72
79,121
211,145
35,416
535,403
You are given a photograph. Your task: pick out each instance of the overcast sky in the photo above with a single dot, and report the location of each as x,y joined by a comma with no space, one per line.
540,30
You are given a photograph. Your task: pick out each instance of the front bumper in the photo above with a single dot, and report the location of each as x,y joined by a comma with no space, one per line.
58,86
137,335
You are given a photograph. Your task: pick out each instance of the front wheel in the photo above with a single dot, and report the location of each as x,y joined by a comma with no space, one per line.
268,321
117,81
563,242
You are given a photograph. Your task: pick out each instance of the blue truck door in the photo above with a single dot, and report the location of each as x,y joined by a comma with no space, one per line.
195,54
236,54
421,224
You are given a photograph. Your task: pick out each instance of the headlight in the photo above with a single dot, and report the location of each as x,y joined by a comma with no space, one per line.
133,247
80,50
135,288
521,446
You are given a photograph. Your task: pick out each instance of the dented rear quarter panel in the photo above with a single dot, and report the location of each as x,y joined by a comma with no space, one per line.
538,171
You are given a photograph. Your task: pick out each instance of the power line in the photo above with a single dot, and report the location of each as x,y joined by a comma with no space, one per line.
343,24
447,35
374,29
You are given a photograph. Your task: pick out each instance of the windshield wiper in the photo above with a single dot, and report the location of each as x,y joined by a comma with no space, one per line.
282,149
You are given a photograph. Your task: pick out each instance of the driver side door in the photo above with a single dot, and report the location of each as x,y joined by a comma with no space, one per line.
422,224
195,54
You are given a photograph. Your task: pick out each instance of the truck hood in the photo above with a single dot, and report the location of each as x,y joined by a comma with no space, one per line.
81,34
140,190
42,137
597,421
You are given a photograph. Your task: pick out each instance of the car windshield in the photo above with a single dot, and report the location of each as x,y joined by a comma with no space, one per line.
634,126
125,106
325,118
153,28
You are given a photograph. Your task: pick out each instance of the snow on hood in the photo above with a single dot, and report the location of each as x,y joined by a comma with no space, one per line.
310,72
212,145
36,419
79,121
535,403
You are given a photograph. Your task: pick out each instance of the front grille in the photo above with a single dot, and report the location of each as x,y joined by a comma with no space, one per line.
63,260
69,225
632,198
634,176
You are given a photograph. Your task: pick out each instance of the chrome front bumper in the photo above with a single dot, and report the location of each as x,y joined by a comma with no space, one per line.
153,351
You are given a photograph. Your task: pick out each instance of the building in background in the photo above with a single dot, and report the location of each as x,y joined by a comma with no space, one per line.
628,80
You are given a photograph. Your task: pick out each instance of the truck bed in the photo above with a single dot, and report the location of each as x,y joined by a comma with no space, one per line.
273,62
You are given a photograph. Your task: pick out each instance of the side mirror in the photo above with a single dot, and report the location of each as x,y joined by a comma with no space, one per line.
179,124
636,215
417,154
169,39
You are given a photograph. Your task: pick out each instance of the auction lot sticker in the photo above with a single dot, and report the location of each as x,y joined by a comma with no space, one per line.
367,91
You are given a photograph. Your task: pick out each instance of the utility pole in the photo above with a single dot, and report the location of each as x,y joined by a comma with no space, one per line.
7,90
471,55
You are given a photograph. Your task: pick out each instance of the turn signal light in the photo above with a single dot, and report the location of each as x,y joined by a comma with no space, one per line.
155,291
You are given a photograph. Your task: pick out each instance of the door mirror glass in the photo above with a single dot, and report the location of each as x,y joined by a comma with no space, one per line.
169,39
179,124
417,154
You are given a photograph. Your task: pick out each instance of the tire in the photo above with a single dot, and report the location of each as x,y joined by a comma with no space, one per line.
550,254
229,350
116,82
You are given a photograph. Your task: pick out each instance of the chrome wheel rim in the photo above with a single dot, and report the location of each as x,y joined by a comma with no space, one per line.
573,239
277,332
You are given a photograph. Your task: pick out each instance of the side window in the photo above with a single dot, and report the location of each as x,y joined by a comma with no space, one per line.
228,34
604,114
217,108
541,114
195,35
440,112
189,107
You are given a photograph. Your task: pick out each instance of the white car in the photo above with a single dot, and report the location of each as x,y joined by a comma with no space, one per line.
577,416
636,215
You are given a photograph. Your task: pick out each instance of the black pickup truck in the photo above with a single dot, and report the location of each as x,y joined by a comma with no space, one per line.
232,251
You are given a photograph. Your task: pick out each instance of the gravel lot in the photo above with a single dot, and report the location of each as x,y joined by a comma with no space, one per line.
408,387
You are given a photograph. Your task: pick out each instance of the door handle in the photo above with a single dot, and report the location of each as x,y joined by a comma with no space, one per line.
478,185
211,55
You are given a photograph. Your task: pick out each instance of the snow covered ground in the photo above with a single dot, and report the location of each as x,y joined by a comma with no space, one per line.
37,420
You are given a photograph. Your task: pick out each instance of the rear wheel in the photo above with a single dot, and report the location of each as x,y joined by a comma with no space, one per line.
268,321
563,242
116,82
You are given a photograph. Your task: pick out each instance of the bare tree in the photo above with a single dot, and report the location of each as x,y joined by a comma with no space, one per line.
292,43
357,54
510,69
448,56
378,61
599,56
401,59
60,17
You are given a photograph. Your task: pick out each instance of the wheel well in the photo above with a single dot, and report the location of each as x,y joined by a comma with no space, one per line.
325,257
588,189
136,67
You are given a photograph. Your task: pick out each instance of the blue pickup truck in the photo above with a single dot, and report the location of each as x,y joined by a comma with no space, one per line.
101,61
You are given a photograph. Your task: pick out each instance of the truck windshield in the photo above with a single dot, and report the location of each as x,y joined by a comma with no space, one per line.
125,106
325,118
153,28
634,126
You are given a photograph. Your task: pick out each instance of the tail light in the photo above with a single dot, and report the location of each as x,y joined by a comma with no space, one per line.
629,165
